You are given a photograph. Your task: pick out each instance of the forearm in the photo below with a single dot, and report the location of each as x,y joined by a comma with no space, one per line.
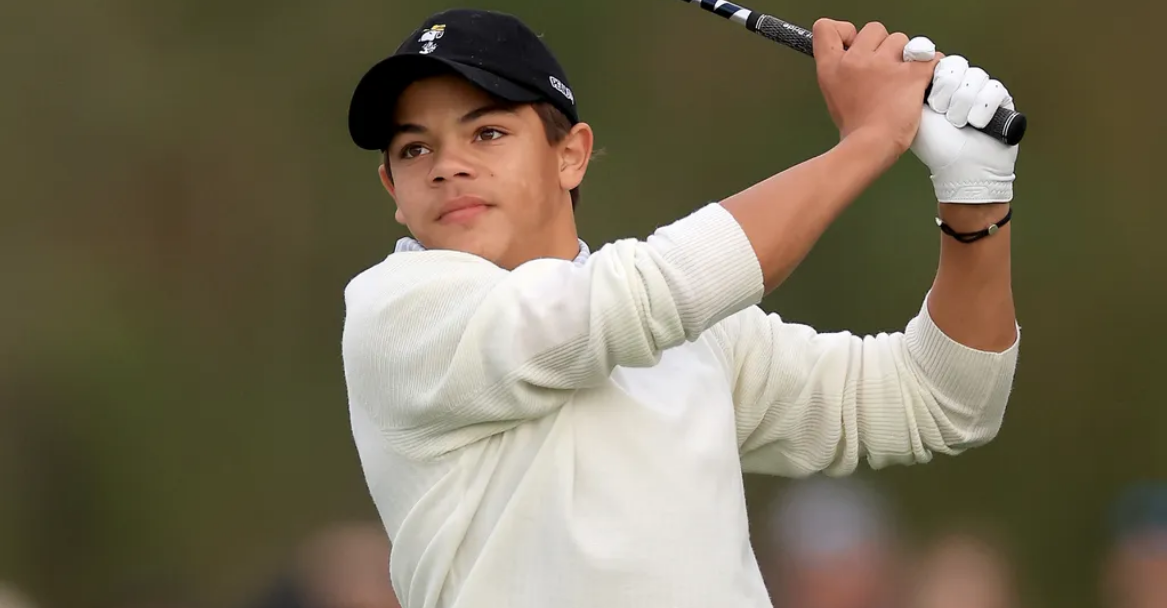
784,216
972,297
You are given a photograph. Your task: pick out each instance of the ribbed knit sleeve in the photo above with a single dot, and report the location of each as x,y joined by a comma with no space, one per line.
810,402
444,348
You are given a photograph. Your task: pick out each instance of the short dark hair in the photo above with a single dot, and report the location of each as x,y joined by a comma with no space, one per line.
556,125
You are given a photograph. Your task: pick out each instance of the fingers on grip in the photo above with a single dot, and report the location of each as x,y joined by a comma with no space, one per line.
831,38
894,45
870,37
965,96
992,96
919,48
1008,103
847,31
947,77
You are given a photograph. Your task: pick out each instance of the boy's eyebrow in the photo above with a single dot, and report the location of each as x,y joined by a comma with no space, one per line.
407,128
493,108
471,116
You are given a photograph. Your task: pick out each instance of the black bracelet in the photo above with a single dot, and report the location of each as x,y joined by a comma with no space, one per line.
968,237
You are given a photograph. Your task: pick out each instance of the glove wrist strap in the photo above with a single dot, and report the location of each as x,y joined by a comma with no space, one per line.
969,237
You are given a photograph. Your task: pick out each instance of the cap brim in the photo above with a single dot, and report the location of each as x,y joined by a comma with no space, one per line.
370,116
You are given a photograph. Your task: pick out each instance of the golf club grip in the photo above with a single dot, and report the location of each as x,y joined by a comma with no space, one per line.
1007,125
797,38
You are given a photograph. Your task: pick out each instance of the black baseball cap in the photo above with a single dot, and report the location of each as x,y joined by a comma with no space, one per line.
495,51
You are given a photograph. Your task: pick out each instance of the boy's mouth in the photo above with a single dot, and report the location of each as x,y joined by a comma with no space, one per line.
461,209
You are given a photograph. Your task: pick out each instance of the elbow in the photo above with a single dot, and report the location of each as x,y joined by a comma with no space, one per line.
965,394
944,421
975,420
980,434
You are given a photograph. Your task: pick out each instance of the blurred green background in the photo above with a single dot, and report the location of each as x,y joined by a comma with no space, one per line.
182,209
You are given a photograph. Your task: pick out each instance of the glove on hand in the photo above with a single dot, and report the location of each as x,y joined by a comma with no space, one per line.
967,166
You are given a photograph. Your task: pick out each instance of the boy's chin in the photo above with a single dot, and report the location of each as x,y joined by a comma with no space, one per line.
487,246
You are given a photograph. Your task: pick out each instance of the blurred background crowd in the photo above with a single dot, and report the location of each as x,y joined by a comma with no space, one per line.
182,208
821,543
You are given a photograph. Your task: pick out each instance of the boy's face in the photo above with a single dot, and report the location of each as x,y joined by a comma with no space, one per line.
471,175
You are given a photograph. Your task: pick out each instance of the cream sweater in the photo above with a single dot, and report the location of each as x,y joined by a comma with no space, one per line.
574,434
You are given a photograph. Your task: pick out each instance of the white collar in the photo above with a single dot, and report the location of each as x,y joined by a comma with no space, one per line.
409,244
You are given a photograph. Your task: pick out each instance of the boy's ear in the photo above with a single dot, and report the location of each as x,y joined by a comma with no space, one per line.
387,181
392,190
575,152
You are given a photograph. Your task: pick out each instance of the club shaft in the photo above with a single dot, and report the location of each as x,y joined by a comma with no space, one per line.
769,26
728,10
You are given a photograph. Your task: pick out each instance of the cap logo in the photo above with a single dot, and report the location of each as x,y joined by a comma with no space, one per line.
430,38
562,88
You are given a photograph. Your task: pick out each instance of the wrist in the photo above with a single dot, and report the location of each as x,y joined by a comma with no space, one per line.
873,145
970,218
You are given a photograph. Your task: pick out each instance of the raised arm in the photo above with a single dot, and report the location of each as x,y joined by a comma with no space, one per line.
809,402
972,296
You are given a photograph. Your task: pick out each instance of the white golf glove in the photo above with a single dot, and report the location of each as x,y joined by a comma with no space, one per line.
967,166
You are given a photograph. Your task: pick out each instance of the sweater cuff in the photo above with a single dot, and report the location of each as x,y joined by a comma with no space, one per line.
962,374
715,262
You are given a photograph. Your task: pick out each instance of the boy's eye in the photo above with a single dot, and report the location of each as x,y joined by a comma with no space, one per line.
489,134
413,151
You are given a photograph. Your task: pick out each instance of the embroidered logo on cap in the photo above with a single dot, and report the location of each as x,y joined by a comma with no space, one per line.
430,37
562,88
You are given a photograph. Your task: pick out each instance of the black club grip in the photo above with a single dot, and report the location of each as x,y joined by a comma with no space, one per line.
785,33
1007,125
